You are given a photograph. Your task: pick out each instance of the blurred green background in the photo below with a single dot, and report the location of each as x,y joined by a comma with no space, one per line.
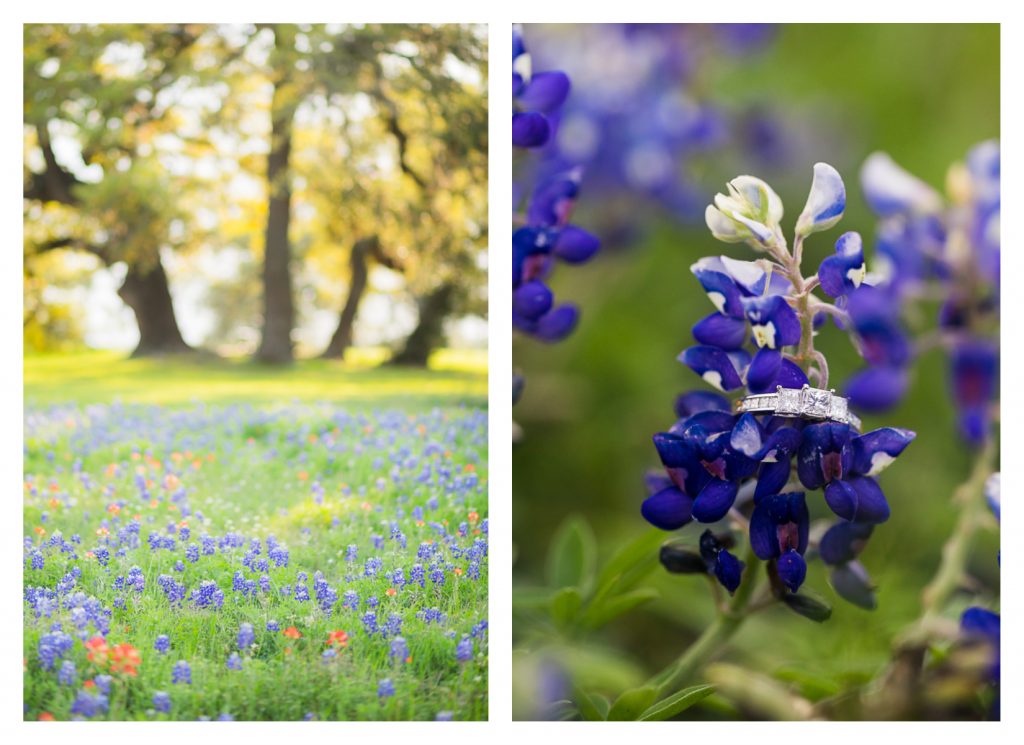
925,94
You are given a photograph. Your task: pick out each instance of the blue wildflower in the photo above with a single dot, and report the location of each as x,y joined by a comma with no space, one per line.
162,702
181,672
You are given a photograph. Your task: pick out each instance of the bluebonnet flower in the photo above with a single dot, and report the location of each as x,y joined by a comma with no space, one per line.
272,625
713,558
162,702
174,591
534,97
443,716
385,689
636,125
369,620
88,704
234,662
68,674
464,649
546,236
181,672
162,644
712,454
952,244
103,683
246,636
399,649
208,595
279,555
541,231
53,646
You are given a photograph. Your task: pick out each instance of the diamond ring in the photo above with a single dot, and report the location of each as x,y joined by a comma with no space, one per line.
800,403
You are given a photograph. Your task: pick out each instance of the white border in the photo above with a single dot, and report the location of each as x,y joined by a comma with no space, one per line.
500,17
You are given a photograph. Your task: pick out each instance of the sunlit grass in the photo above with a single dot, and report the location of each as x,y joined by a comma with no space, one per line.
454,376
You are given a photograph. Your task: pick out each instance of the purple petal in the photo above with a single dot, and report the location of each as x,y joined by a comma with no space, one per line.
792,569
843,542
557,324
714,501
530,129
719,330
763,539
575,245
772,478
695,402
825,454
721,290
728,570
842,499
746,436
713,365
876,389
872,506
774,323
531,300
545,92
764,370
790,375
669,509
875,450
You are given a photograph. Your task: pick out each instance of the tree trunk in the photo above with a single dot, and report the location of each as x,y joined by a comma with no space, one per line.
358,260
278,309
429,331
149,296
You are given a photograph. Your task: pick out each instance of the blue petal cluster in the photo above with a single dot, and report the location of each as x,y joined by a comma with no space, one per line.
639,116
928,243
760,468
542,232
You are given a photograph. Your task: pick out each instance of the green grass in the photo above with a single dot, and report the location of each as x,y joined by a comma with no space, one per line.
247,455
454,376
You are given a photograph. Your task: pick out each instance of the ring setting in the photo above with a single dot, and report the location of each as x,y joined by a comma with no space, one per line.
800,403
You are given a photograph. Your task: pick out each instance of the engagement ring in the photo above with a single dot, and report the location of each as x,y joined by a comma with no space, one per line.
800,403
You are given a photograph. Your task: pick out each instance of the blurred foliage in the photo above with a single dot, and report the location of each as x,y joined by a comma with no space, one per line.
142,138
924,93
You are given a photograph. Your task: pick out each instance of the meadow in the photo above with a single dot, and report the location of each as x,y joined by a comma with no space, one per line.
210,540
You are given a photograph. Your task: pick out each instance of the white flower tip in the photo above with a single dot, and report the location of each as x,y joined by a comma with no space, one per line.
889,189
825,202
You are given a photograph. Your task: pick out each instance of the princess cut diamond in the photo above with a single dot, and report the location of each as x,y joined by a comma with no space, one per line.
838,410
789,402
815,402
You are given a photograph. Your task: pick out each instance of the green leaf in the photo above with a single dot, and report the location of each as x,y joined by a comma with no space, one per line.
602,611
565,606
632,704
573,555
531,598
594,707
676,703
630,564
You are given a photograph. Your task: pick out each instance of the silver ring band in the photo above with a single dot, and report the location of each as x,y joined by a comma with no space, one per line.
800,403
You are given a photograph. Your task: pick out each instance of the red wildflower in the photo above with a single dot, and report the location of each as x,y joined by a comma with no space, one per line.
338,637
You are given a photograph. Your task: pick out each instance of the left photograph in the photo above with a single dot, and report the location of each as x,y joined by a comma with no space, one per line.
255,403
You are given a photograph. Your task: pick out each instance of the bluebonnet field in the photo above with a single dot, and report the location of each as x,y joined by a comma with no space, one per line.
254,559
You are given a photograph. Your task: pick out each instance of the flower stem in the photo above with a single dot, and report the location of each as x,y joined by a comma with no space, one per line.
970,497
714,637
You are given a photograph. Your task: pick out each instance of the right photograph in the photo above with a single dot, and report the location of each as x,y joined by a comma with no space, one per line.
756,318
